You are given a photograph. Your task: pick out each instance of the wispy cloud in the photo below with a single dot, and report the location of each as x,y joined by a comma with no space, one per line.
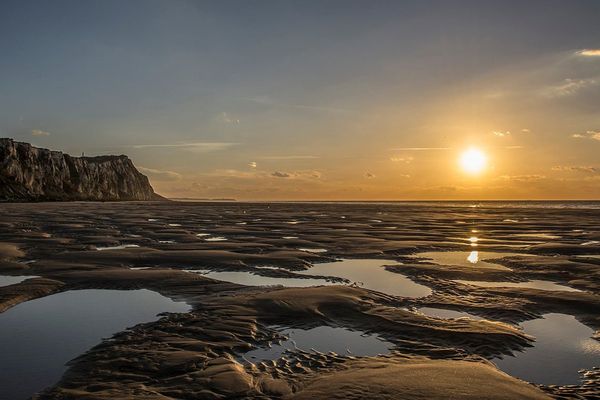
522,178
39,132
419,148
369,175
398,159
288,157
160,175
501,133
594,135
227,119
297,174
577,168
568,87
200,147
252,164
589,52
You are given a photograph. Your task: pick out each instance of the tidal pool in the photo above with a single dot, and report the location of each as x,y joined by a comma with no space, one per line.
249,279
562,347
323,339
443,313
367,273
6,280
38,337
467,259
123,246
370,274
533,284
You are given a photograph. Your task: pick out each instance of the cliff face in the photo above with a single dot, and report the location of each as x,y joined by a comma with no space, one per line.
28,173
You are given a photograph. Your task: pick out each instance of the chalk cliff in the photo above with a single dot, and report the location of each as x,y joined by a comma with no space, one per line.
28,173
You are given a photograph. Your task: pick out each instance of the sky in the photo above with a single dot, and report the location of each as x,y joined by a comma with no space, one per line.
314,100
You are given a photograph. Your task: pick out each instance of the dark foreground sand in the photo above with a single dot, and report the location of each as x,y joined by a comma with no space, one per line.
197,355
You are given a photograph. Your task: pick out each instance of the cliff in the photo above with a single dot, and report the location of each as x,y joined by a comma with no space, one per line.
28,173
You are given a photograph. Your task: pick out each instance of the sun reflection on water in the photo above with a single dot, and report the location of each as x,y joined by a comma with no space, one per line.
473,257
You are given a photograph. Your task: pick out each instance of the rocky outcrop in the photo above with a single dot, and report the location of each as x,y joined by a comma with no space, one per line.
28,173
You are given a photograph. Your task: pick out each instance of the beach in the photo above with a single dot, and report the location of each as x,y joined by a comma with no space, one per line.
434,298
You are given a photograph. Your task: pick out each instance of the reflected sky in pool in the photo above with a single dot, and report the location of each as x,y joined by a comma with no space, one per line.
563,346
532,284
367,273
323,339
249,279
468,259
370,274
38,337
6,280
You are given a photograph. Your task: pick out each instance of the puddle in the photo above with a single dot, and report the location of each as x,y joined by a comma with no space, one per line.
323,339
290,237
370,274
533,284
313,250
38,337
248,279
215,239
443,313
6,280
563,346
123,246
466,259
537,235
202,234
174,224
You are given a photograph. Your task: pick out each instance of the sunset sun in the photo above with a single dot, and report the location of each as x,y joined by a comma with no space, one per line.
473,161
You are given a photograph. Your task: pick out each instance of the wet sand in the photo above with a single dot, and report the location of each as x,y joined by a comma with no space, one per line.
127,246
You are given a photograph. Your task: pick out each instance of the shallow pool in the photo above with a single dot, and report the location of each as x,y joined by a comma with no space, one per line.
323,339
6,280
467,259
249,279
563,346
444,313
371,274
533,284
38,337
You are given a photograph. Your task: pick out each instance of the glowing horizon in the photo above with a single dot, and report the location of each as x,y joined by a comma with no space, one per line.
342,100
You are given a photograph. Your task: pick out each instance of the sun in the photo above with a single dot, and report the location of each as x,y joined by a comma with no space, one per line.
473,161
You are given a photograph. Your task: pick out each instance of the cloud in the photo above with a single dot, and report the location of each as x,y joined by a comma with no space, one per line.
419,148
526,130
369,175
594,135
288,157
522,178
252,164
199,147
406,160
39,132
311,174
501,133
160,175
279,174
568,87
576,168
225,118
589,52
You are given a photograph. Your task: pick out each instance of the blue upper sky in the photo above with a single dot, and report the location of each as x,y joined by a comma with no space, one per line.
312,99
